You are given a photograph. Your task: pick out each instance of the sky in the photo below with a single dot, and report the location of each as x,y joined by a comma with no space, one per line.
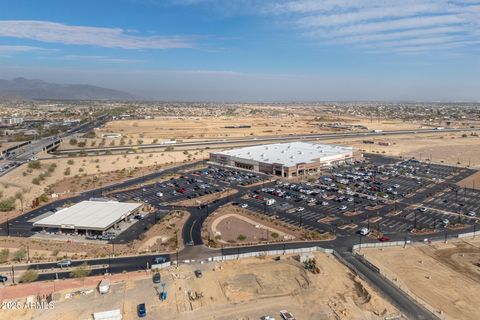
249,50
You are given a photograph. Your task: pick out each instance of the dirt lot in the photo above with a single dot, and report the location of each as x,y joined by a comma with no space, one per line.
231,228
449,148
244,289
234,225
446,276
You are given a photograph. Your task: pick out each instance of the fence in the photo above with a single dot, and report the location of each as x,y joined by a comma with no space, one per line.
379,244
161,265
468,234
268,253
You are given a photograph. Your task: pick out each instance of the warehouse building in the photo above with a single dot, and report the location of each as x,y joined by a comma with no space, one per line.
96,216
286,159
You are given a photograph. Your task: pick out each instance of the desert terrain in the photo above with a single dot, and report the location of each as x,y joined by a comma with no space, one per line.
445,276
232,290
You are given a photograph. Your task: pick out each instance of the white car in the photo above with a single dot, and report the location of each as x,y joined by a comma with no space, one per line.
286,315
423,209
364,231
299,209
159,194
267,318
324,203
472,213
244,205
445,221
342,208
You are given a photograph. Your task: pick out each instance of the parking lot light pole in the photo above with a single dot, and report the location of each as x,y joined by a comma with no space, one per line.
415,220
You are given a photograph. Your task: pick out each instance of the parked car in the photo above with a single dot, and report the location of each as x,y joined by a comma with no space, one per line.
364,231
156,278
383,239
471,213
286,315
244,205
3,278
141,310
198,273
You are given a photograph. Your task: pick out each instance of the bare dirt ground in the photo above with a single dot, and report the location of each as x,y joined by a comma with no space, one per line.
244,289
228,228
446,276
72,175
239,221
448,148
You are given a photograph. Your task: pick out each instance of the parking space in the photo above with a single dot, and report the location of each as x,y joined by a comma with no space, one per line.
367,194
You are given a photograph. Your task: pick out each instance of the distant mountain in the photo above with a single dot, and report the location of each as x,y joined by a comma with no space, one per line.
19,88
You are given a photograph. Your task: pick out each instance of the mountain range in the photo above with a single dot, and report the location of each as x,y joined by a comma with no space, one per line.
33,89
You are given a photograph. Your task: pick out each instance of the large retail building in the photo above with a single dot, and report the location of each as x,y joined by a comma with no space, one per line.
286,159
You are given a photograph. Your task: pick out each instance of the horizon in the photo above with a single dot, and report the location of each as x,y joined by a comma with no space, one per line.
250,51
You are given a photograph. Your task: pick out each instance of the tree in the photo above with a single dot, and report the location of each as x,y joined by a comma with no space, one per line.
34,164
19,196
20,254
73,141
274,235
29,276
7,204
67,171
70,162
241,237
4,255
81,271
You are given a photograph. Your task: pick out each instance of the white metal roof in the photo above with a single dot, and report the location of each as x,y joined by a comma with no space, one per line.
288,154
90,215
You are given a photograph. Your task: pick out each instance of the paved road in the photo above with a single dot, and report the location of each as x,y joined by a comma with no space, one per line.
263,140
404,303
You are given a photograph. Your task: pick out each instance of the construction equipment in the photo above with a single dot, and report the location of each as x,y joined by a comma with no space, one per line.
194,295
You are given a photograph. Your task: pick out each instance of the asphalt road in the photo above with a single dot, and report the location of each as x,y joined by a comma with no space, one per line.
263,140
195,249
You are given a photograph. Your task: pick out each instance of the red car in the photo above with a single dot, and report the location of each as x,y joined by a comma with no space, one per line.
182,190
259,197
383,239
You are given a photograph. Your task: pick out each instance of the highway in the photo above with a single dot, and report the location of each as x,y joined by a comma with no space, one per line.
262,140
25,153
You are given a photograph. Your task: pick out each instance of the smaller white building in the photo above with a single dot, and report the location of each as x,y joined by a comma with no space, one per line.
89,216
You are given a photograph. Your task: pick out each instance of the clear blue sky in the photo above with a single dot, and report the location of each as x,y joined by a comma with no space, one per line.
249,50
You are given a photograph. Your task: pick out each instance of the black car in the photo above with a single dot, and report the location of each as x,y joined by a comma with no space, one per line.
156,278
3,278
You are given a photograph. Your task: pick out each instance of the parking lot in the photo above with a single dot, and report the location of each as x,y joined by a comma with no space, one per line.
393,197
379,193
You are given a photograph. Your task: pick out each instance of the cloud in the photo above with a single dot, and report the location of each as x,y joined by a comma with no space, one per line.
386,24
99,59
5,49
52,32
